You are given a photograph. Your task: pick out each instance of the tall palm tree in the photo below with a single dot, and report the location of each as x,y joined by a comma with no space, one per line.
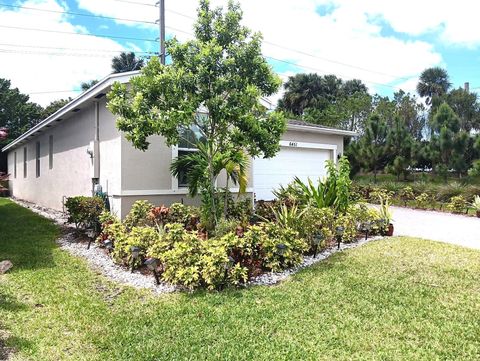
301,91
433,82
126,62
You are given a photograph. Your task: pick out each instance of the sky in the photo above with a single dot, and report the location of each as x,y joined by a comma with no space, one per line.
47,47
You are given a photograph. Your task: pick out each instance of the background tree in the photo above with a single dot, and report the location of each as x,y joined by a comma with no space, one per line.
434,82
400,146
54,106
221,71
466,107
413,113
126,61
302,91
88,84
373,144
17,113
448,143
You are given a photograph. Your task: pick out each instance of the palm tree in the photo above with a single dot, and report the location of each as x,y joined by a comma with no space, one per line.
301,91
88,84
433,82
126,62
195,164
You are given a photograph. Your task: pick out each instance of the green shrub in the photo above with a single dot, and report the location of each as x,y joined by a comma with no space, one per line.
406,194
187,215
316,219
364,214
349,224
457,204
84,211
225,226
422,201
139,215
141,237
282,247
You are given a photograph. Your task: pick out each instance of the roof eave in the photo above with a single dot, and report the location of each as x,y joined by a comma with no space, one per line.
314,129
82,98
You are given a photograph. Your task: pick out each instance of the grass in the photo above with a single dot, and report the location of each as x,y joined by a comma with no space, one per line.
397,299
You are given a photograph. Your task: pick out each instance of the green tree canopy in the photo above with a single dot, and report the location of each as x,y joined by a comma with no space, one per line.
127,61
372,147
400,146
54,106
17,112
222,73
433,82
88,84
466,107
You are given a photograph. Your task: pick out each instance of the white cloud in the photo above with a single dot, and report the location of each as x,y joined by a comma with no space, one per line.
346,36
34,69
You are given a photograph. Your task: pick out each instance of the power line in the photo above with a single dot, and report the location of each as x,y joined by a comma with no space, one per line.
134,3
73,33
77,49
76,14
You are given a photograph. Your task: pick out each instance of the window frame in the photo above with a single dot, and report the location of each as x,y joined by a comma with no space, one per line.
15,164
50,152
37,159
25,165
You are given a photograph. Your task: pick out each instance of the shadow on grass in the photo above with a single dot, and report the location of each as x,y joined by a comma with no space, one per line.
26,238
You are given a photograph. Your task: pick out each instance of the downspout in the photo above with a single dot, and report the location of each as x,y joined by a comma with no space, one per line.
95,147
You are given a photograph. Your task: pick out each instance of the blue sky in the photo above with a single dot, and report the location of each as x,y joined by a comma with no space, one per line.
386,44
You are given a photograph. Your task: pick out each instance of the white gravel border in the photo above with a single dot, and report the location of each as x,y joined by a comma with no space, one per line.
101,261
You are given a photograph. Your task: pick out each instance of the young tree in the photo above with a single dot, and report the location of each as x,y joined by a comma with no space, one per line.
448,143
467,108
399,145
373,144
222,72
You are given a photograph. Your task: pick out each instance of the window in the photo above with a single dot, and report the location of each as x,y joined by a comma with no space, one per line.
37,159
25,162
186,145
50,152
15,165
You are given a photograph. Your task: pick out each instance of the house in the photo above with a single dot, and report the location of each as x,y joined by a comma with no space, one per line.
76,148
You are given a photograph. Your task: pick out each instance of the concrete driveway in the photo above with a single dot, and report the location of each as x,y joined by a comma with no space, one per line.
437,226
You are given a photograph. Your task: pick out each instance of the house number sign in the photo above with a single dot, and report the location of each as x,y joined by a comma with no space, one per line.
293,144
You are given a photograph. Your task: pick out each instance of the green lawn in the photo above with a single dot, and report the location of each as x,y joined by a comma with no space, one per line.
398,299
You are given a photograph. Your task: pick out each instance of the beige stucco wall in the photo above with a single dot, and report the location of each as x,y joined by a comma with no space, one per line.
71,172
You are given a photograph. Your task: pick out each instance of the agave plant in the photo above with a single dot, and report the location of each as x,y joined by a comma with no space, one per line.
288,217
476,205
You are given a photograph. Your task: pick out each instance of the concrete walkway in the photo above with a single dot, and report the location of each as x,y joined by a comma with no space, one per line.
437,226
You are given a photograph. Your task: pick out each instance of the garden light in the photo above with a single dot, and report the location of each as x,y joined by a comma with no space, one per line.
152,264
366,228
135,254
281,249
91,235
108,245
317,239
339,233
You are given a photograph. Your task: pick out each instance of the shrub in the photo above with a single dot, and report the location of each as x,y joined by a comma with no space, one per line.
84,211
422,201
457,204
225,226
189,216
282,247
141,237
139,215
406,194
264,210
315,219
349,224
246,250
364,214
240,209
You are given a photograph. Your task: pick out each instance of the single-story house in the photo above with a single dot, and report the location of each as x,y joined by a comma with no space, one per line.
79,146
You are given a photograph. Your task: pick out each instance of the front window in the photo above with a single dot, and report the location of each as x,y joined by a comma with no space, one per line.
189,138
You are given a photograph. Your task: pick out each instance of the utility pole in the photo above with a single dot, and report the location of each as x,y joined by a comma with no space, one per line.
161,26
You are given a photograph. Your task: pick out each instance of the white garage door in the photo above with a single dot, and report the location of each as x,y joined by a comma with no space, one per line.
268,174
